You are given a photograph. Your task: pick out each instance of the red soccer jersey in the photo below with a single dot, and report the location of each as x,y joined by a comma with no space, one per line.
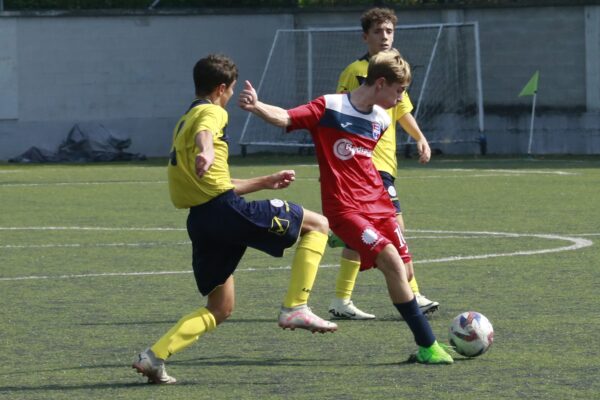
344,141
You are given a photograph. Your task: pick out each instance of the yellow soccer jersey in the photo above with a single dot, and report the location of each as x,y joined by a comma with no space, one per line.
186,189
384,156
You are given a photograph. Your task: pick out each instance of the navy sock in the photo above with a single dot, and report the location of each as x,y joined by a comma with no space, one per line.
416,321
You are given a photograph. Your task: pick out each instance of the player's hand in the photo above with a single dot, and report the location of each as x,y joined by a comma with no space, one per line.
281,179
248,97
424,151
203,163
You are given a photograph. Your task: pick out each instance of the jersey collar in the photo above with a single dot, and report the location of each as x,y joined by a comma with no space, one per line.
198,102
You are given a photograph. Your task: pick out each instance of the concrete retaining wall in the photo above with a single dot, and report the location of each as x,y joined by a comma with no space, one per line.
133,72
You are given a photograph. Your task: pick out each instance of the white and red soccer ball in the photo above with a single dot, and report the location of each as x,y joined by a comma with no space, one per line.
471,334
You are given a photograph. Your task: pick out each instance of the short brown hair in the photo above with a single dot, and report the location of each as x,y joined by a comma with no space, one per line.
211,71
377,16
390,65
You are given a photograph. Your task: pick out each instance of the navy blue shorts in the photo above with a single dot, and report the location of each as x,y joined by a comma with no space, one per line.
388,183
222,229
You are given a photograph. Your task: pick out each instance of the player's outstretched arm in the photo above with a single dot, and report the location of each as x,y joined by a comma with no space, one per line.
409,124
248,101
278,180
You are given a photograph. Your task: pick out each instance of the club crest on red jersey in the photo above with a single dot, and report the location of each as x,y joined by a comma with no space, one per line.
376,130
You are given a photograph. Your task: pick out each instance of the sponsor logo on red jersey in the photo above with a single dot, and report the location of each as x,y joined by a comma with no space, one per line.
344,149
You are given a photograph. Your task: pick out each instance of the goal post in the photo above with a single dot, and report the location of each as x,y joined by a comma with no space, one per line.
446,90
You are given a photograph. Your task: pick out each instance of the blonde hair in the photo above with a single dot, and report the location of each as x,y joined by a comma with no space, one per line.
390,65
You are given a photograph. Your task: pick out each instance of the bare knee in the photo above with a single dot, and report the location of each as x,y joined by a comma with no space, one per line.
392,269
322,224
221,300
350,254
390,263
314,222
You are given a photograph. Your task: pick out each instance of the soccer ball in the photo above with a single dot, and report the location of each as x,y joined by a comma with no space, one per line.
471,334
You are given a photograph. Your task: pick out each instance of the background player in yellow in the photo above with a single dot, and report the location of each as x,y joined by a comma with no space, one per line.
221,224
378,33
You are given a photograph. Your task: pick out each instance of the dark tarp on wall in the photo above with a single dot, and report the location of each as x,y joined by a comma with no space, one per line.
85,143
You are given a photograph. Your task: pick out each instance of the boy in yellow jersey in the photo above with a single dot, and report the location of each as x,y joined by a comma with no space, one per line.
221,224
378,33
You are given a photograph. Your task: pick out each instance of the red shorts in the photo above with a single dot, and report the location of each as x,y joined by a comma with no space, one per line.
369,236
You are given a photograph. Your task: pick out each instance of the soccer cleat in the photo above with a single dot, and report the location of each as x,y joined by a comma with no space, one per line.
302,317
333,241
434,354
152,367
427,306
345,309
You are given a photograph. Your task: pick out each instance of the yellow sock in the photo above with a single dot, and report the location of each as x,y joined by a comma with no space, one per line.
346,278
184,333
414,285
304,268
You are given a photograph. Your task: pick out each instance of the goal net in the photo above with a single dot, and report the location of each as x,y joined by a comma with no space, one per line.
446,88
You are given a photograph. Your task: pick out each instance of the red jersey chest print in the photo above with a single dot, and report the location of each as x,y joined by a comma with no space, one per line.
344,140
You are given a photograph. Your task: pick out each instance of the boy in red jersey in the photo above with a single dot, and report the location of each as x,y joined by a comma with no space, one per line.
345,129
378,25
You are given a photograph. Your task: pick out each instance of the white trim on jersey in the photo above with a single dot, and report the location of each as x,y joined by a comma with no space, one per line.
341,103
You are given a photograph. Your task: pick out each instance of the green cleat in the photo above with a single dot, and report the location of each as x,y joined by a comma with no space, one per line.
434,354
333,241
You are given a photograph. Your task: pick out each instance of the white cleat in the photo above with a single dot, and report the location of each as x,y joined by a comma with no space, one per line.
152,367
345,309
302,317
427,306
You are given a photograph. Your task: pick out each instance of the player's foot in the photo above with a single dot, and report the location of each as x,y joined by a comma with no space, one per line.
152,367
427,306
434,354
345,309
334,241
302,317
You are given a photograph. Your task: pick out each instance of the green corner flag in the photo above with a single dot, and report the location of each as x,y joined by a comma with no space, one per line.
531,88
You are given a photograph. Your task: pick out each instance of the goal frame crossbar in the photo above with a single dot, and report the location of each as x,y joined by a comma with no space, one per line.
244,142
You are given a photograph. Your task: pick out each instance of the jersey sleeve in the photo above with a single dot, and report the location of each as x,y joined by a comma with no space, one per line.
345,81
403,107
348,80
212,119
306,116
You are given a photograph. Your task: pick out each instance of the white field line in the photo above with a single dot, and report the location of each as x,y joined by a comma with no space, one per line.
82,183
515,171
149,273
83,228
479,174
576,243
461,234
494,175
86,245
89,167
156,244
